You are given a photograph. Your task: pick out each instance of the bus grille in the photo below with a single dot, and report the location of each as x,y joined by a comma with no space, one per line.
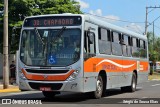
54,86
47,71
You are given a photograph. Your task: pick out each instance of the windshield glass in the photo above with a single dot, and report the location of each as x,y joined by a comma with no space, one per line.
50,47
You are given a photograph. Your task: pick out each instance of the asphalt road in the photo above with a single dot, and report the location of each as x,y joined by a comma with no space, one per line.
146,93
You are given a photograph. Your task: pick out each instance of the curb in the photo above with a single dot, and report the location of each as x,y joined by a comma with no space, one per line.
9,90
154,79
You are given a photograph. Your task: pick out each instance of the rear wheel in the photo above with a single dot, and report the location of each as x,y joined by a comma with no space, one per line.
132,87
49,94
99,88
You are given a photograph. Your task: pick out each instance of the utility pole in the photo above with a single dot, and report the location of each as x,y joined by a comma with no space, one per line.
146,22
5,47
153,35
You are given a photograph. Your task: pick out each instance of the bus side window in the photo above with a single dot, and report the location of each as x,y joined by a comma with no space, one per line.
116,46
143,51
126,47
104,41
89,43
135,47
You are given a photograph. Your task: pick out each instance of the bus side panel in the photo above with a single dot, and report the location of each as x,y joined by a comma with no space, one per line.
143,71
129,65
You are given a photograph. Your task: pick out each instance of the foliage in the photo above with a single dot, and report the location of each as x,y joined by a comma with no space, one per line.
19,9
153,47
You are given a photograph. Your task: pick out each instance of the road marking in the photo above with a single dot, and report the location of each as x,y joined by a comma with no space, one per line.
20,93
144,97
155,85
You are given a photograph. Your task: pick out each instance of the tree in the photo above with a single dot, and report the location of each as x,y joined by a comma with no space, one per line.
19,9
153,47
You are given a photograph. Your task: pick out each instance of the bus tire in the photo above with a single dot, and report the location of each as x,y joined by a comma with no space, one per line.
132,87
49,94
99,88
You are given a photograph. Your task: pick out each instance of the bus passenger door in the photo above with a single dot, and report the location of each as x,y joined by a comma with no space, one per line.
90,59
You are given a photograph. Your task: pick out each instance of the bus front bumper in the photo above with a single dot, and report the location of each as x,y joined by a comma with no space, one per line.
75,85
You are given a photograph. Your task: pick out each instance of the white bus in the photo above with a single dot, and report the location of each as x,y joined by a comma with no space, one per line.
79,53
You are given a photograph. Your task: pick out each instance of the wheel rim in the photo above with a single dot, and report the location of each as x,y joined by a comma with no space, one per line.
134,83
99,87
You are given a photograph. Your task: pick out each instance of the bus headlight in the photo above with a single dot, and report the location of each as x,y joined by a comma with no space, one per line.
73,75
22,76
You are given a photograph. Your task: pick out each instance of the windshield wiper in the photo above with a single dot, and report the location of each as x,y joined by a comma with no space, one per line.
59,34
39,37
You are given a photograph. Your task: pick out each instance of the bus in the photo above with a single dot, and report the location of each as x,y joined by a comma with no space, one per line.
79,53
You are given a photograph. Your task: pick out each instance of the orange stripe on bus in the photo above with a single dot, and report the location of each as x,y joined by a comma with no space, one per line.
48,78
113,65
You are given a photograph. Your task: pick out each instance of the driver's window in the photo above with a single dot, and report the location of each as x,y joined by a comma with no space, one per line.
89,43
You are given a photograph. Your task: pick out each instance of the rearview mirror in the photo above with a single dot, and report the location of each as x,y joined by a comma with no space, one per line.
91,37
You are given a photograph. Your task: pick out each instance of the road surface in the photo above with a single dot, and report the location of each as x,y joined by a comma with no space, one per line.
146,92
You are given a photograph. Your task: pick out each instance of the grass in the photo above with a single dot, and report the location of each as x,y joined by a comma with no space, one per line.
154,76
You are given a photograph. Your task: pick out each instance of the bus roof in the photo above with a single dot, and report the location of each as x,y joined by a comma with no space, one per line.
99,21
102,22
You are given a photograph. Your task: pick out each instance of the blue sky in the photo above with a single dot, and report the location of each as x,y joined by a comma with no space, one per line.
127,10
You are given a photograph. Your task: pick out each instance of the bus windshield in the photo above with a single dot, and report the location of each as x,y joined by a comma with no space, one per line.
50,47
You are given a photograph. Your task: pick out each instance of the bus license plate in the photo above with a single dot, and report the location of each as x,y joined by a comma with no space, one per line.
45,88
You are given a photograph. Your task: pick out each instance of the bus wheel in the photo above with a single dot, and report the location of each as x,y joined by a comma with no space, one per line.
99,88
132,87
49,94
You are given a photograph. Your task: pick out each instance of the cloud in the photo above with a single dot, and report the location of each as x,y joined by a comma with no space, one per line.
112,18
83,4
96,12
108,18
135,27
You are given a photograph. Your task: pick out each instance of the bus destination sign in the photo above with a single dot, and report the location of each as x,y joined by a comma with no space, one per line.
51,21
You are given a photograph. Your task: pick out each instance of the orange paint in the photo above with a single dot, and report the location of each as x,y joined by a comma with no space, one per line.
114,65
48,78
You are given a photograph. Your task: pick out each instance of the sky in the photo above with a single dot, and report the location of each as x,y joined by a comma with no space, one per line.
129,14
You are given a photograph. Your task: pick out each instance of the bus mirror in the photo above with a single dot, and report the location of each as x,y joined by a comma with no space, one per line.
91,37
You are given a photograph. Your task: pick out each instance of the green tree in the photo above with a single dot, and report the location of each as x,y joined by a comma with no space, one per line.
153,47
19,9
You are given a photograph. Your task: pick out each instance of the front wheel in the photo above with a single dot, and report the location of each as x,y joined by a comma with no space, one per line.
99,88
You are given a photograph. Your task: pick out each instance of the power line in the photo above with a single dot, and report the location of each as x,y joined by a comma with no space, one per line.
125,21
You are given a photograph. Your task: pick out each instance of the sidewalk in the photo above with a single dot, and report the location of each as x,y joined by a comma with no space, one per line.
12,88
155,76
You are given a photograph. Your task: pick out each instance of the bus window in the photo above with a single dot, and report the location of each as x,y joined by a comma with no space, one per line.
143,51
135,47
104,41
125,45
89,44
116,46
